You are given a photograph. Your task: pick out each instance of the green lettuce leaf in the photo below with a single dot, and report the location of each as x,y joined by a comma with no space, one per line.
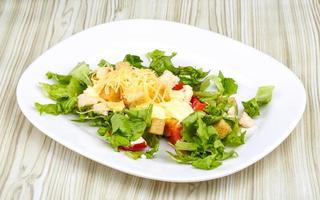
160,62
227,86
82,73
62,79
187,74
140,113
61,107
186,146
251,107
235,138
207,163
130,129
264,95
134,154
134,60
153,142
117,140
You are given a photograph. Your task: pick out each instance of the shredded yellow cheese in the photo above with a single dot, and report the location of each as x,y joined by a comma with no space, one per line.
134,86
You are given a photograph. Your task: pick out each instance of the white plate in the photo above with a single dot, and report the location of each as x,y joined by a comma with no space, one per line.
196,47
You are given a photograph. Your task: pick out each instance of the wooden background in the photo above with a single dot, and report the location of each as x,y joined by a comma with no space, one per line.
34,166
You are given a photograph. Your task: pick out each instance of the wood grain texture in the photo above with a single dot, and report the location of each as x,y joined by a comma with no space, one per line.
32,166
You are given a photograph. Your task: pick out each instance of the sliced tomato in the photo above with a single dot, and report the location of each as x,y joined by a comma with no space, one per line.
141,145
197,104
178,86
173,130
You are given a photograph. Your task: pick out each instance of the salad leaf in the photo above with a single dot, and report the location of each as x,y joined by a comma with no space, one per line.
153,142
202,131
64,92
264,95
134,60
229,85
251,107
200,144
187,74
191,76
235,138
186,146
226,86
62,79
128,128
81,73
61,107
205,84
160,62
206,163
181,158
102,130
117,140
189,125
140,113
53,109
104,63
134,154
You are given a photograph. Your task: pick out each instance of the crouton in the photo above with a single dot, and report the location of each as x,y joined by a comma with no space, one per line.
223,128
110,94
157,126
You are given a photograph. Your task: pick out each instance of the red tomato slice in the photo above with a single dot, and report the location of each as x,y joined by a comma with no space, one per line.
178,86
173,130
135,147
197,104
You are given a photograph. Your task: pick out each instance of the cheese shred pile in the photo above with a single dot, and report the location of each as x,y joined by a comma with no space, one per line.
131,85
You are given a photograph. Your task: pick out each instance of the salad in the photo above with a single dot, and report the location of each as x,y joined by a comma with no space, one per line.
134,106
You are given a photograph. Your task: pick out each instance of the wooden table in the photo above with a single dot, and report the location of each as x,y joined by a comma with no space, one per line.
34,166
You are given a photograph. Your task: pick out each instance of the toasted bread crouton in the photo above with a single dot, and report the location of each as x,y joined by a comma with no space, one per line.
110,94
223,128
157,126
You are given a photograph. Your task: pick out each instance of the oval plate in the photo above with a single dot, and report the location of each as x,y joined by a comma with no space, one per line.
196,47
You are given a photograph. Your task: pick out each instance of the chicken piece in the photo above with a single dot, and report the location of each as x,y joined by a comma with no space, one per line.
232,111
246,121
85,100
223,128
185,94
157,126
101,108
102,72
115,106
169,79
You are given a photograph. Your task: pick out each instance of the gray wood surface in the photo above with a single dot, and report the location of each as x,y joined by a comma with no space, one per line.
32,166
